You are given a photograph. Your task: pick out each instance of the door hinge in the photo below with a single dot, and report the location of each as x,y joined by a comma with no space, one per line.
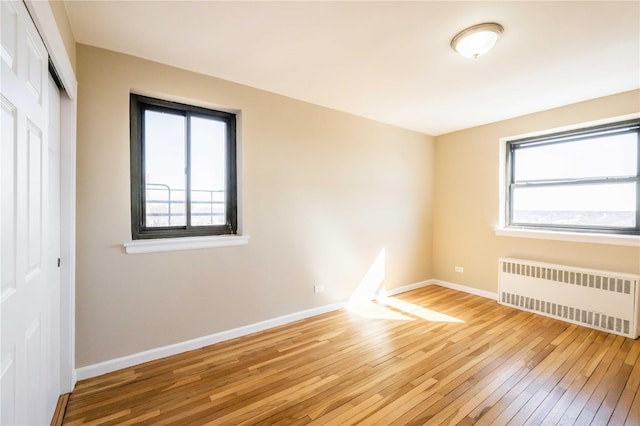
58,262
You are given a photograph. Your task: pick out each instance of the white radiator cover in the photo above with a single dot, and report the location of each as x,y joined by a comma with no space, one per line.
602,300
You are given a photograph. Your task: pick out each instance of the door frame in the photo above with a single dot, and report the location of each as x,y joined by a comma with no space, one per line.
48,28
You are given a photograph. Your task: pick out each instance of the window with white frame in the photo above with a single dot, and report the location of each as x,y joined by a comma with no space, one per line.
585,180
183,170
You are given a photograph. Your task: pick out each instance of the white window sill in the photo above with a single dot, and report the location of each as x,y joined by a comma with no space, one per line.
186,243
576,237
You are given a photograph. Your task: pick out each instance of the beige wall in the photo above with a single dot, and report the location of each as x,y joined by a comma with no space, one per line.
62,20
323,192
466,200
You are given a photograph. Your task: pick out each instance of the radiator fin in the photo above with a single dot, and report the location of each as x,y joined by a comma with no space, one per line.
593,319
567,277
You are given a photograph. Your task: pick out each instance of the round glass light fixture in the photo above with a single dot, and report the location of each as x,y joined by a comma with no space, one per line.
477,40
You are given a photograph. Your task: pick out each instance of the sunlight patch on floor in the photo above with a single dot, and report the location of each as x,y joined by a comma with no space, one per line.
418,311
372,310
389,308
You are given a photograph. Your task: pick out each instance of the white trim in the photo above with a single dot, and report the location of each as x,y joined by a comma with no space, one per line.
576,237
403,289
48,28
187,243
67,242
165,351
465,289
152,354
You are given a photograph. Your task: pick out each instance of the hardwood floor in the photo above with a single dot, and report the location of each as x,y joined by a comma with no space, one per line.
58,414
430,356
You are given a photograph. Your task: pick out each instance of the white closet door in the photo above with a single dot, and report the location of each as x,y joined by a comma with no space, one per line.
28,304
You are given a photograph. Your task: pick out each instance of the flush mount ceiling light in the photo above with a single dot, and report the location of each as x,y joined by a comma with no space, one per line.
477,40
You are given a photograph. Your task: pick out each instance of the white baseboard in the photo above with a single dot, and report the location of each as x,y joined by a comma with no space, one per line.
200,342
404,288
466,289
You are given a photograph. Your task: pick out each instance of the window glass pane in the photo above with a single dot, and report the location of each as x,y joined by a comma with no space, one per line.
606,205
164,164
613,156
208,172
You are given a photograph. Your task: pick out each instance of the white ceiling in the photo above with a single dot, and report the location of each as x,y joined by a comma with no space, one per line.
388,61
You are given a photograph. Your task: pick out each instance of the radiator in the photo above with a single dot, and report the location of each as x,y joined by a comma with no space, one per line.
602,300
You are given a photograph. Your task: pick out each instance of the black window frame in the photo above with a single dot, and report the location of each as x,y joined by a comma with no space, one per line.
138,105
626,126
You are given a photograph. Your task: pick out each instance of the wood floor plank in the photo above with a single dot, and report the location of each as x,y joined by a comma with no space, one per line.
556,386
632,383
61,407
572,385
573,411
633,416
456,408
609,387
532,393
481,390
534,367
460,381
430,356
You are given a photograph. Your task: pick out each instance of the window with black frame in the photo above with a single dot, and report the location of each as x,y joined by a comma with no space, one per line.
585,180
183,170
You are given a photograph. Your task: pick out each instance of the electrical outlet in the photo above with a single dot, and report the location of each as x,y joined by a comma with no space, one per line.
318,288
459,269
